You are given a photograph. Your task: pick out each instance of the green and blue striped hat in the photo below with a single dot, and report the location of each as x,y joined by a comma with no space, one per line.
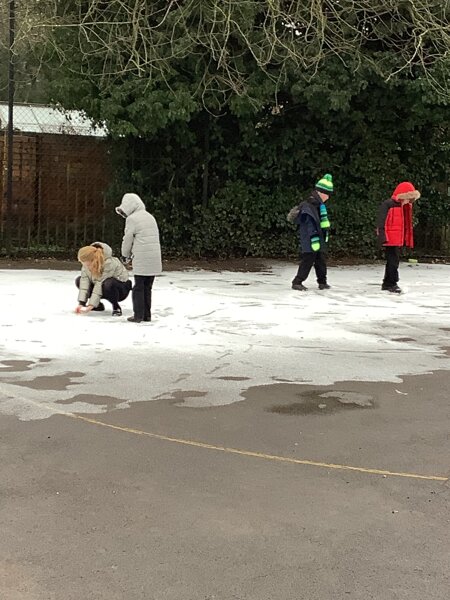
325,184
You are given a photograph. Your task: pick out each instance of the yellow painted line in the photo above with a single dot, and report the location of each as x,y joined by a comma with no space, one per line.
272,457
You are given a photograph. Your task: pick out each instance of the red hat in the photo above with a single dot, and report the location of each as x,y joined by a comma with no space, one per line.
405,191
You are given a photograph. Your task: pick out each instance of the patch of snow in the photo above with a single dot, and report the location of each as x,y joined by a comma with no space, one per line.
212,336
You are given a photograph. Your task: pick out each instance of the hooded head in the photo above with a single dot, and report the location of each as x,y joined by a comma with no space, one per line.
405,191
107,250
130,204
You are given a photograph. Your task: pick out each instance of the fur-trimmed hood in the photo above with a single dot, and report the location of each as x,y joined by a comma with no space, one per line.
405,191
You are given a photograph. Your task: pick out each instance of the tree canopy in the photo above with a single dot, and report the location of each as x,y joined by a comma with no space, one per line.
219,52
234,107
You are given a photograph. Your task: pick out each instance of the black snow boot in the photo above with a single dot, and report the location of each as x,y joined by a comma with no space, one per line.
299,287
100,307
134,320
393,289
324,286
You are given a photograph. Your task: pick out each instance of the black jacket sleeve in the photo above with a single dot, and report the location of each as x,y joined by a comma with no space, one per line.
381,222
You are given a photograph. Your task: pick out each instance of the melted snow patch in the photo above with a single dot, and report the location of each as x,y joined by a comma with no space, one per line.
216,334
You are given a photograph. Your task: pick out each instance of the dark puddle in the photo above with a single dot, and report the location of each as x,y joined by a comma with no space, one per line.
51,382
180,396
317,402
182,377
232,378
18,366
93,399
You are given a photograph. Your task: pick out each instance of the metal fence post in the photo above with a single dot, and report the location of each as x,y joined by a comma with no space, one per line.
7,208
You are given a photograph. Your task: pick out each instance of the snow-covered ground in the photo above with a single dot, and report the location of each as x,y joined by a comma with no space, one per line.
214,335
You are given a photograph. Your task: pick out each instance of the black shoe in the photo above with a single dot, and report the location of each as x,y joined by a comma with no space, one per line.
147,319
117,312
324,286
393,289
100,307
134,320
299,287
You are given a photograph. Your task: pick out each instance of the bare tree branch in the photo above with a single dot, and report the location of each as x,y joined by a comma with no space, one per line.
149,38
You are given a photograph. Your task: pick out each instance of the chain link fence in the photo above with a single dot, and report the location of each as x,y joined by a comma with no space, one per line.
61,173
60,176
432,231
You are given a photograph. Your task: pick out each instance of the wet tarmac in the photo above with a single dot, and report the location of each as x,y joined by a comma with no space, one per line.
163,501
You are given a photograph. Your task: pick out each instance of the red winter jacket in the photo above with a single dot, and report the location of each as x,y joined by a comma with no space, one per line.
395,226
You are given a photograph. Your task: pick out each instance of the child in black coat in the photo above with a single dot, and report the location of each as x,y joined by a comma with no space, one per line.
313,228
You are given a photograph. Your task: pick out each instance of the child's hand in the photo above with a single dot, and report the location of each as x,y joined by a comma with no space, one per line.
127,262
315,243
83,309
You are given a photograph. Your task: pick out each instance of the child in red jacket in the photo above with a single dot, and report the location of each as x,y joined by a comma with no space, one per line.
395,229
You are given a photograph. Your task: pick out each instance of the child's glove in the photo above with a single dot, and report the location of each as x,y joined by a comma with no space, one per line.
315,243
126,260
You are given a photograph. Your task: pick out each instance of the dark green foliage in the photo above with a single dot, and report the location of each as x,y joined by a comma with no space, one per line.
225,114
259,166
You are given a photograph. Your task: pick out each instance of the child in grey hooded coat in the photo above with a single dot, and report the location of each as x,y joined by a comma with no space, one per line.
141,245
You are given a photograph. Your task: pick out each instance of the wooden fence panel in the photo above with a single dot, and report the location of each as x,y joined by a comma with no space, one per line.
59,186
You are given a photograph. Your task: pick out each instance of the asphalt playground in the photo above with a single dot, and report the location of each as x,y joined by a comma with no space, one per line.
258,500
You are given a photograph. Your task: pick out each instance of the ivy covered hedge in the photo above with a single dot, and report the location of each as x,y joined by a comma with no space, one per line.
222,186
226,113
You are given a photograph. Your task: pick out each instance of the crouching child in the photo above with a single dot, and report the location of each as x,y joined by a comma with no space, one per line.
102,277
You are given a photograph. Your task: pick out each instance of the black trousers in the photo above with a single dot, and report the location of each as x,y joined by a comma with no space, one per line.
392,263
307,260
142,296
113,290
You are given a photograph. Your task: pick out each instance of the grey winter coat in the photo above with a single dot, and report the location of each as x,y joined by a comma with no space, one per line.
141,239
112,268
